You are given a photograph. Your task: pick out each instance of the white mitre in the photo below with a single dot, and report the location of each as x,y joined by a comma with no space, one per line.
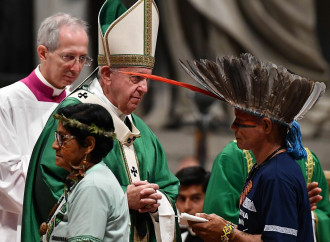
128,37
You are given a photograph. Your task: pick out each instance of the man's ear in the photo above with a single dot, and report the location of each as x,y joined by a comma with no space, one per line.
106,73
42,50
267,125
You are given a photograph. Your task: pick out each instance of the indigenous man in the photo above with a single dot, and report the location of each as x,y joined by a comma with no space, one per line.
230,169
127,42
26,105
274,204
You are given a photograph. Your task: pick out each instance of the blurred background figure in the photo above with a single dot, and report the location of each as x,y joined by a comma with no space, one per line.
193,184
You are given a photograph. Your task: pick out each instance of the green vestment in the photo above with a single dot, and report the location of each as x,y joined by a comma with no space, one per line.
229,171
44,183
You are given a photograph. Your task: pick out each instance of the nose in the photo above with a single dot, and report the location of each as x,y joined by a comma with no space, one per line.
55,145
76,66
143,86
187,206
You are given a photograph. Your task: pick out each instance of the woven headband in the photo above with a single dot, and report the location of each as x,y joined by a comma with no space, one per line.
93,129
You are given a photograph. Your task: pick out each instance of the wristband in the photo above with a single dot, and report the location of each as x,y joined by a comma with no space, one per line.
226,231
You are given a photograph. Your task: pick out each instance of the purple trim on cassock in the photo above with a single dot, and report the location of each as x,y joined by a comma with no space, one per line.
42,92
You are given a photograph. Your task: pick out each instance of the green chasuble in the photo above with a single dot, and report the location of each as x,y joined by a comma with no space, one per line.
231,167
44,183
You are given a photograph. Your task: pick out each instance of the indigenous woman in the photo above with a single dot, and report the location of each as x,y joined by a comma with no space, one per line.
93,206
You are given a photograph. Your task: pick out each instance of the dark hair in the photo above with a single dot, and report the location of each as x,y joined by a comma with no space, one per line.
194,175
89,114
282,131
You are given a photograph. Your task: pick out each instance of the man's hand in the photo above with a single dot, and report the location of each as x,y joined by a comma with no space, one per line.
211,230
143,196
313,194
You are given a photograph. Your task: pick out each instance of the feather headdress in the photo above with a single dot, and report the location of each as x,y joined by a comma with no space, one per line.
260,88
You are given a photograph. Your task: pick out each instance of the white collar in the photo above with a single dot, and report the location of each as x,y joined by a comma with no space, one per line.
97,89
124,135
56,91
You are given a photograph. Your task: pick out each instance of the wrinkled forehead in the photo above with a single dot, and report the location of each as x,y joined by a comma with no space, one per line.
245,116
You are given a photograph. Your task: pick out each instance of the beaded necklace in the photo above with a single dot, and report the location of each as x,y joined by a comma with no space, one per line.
248,182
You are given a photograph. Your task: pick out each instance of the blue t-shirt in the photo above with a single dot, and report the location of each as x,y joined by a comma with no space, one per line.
275,202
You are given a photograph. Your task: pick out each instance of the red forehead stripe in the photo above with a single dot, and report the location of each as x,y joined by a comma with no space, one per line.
245,116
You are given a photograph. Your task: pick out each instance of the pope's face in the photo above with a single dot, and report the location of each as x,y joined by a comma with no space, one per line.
248,130
126,91
56,70
190,199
